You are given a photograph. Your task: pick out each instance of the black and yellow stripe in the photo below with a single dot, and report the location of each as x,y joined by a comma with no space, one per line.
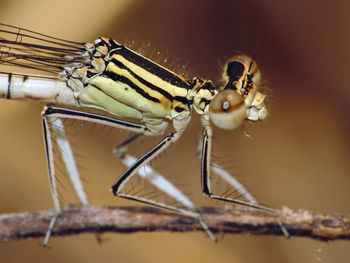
143,84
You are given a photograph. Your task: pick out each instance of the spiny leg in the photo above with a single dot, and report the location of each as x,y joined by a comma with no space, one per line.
68,158
52,179
206,185
157,180
52,115
66,152
160,147
226,176
148,173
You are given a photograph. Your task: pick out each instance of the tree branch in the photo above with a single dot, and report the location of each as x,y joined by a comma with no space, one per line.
79,219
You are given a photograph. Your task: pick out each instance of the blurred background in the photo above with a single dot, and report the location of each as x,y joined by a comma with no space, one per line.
298,157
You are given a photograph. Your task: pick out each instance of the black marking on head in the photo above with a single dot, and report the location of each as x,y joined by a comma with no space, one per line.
250,65
234,70
246,88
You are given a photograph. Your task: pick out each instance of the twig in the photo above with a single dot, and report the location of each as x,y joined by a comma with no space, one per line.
77,219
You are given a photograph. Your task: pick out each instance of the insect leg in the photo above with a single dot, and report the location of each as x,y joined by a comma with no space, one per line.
148,173
225,175
160,147
154,178
52,115
52,180
68,158
205,175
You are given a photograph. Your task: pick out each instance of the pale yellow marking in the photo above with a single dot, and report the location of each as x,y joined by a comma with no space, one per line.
92,96
128,96
155,80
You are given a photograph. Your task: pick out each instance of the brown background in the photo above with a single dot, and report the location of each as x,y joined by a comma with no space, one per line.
299,157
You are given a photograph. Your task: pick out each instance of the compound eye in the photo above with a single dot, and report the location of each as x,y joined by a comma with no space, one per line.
227,110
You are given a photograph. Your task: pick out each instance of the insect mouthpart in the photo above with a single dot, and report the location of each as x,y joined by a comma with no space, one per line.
257,110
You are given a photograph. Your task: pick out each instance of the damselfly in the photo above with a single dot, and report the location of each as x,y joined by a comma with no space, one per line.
110,77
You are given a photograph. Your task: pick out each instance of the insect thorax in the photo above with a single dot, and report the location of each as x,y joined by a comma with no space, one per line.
127,84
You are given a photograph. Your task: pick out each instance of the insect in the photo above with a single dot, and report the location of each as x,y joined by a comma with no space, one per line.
112,78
